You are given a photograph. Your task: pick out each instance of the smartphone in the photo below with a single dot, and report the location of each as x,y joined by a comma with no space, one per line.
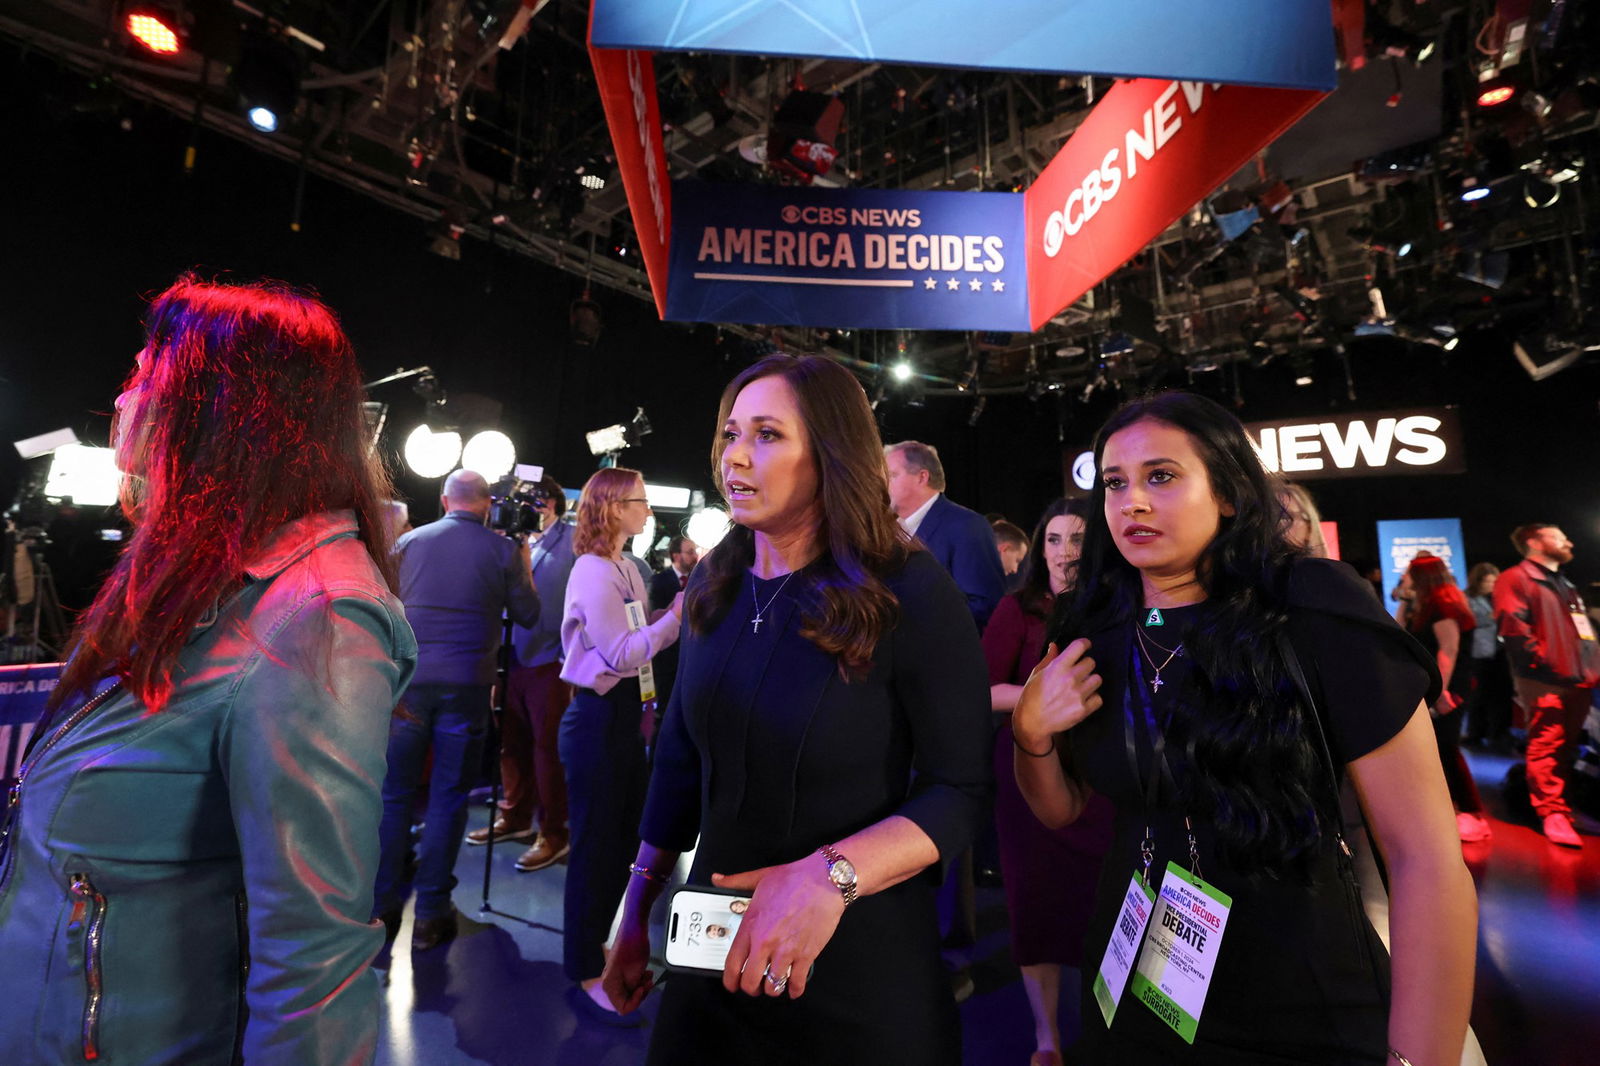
701,924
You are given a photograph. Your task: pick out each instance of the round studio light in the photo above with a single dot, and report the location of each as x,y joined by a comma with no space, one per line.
901,371
490,453
1404,249
1475,193
263,118
706,527
431,454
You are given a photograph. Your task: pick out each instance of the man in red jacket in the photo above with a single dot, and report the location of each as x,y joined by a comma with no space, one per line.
1555,662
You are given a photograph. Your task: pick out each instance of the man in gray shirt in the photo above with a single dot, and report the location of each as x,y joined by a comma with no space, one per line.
456,579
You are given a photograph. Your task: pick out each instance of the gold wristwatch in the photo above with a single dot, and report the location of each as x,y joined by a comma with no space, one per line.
841,871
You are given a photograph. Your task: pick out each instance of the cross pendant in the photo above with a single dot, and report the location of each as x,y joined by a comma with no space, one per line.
755,624
1157,683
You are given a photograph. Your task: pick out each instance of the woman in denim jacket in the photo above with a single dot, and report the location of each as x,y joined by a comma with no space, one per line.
187,866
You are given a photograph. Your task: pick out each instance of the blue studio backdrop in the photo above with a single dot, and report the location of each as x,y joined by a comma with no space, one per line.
1282,43
1400,540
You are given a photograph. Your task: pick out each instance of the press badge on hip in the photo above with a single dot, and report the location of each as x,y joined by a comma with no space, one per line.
1109,983
647,673
1580,619
1180,949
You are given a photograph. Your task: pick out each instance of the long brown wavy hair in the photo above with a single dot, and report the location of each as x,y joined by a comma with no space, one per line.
847,607
599,520
250,418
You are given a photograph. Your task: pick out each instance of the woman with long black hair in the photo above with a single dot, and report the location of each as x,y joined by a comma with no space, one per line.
1216,684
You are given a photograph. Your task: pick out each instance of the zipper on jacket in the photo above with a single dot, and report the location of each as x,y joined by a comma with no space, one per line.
241,915
87,901
14,794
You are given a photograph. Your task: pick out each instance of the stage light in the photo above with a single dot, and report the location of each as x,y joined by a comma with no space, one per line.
1495,94
490,453
610,440
1539,193
431,454
1450,345
267,80
1477,192
1404,249
44,443
672,497
640,544
154,27
592,182
707,527
901,371
607,440
89,475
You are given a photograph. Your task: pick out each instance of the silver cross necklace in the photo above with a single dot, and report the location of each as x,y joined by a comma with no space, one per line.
755,596
1172,653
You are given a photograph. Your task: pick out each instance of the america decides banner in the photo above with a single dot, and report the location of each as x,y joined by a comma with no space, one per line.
1147,153
873,258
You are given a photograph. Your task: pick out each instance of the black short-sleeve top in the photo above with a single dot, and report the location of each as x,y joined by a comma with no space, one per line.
1301,976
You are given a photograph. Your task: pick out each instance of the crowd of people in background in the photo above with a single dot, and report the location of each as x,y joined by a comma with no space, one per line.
1173,670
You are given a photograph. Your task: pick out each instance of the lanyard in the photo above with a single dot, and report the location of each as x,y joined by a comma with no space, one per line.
1136,689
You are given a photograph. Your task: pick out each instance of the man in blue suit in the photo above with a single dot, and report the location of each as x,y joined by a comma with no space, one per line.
960,539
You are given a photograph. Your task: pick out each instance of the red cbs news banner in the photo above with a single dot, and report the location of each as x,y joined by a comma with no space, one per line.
627,83
1148,152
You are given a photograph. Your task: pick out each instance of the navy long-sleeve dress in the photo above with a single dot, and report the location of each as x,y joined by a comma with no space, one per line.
766,754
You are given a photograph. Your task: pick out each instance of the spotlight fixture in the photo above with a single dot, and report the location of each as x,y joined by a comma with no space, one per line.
431,454
267,80
1304,369
1474,194
1538,192
1495,92
490,453
592,182
584,321
610,440
901,371
155,26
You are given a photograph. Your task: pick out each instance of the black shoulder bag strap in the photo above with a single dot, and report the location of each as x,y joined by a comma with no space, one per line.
1292,662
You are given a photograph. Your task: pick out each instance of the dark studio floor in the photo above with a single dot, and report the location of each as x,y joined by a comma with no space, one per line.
495,994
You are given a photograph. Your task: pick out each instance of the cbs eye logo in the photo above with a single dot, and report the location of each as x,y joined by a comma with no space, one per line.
791,214
1083,471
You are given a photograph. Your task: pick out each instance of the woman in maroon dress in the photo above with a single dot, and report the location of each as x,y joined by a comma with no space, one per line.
1050,874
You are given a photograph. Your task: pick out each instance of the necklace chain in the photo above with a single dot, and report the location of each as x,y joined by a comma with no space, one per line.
755,596
1172,653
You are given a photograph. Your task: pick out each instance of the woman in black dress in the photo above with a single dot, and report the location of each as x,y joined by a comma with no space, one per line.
826,741
1194,630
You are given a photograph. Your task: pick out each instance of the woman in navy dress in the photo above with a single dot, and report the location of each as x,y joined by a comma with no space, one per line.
1049,874
826,742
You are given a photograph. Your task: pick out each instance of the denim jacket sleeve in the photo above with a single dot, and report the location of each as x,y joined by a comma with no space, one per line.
303,754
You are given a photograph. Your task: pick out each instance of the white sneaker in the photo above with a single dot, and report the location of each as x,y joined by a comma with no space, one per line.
1558,830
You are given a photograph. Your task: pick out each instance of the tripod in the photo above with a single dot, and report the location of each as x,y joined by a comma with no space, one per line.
502,677
45,626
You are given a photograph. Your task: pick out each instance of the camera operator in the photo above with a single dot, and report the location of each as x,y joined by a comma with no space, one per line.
456,577
530,764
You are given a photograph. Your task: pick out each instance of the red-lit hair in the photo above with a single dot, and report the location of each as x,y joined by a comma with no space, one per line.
251,418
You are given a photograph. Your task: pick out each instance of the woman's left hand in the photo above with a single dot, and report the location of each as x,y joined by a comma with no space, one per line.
794,910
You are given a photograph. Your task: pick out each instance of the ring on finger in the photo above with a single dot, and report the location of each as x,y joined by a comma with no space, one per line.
778,983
